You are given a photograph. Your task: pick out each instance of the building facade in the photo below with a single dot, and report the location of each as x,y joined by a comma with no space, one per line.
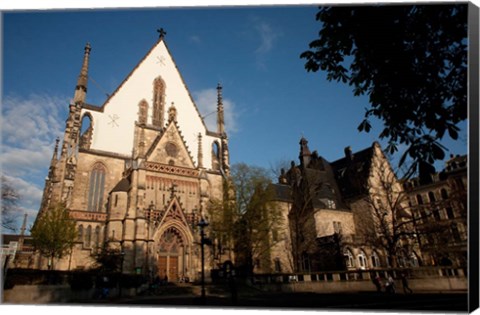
439,203
348,214
137,172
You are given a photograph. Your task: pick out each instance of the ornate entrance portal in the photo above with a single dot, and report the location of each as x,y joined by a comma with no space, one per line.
172,256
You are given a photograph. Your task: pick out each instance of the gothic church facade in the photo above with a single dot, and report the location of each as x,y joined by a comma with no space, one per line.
137,172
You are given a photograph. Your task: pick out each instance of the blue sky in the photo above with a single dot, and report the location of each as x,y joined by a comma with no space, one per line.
252,51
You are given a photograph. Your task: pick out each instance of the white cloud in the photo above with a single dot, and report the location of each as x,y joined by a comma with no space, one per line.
206,100
267,37
29,129
195,39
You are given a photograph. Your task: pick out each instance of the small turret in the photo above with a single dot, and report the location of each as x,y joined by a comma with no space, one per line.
305,153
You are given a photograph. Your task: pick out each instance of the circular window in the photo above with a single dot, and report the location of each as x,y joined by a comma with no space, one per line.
171,149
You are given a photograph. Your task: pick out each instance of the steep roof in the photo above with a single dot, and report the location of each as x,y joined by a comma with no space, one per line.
123,185
281,192
352,172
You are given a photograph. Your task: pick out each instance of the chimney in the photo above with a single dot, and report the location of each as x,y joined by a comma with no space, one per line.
348,153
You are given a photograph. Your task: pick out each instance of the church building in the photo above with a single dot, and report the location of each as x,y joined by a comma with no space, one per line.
137,171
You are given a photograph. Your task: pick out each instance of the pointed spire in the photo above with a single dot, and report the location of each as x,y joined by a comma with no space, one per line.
220,115
305,153
81,88
24,225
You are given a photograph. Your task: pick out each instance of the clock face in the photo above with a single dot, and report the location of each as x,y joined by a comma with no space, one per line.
171,149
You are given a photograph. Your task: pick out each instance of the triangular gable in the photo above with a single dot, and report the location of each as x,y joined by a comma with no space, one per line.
174,212
139,64
170,147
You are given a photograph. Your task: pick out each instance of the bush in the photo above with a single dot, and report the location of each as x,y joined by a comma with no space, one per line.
80,281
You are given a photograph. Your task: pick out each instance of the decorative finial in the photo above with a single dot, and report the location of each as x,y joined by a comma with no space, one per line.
161,33
172,113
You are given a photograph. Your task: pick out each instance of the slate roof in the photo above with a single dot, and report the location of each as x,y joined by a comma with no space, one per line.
282,192
123,185
352,173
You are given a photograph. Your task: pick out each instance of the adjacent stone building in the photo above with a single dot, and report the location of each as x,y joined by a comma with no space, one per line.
439,203
137,171
342,214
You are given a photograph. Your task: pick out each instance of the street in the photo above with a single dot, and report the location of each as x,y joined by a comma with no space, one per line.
445,302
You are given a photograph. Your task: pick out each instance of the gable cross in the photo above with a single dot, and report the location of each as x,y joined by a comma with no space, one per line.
161,33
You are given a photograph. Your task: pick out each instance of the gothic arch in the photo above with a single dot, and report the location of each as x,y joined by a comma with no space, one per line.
174,250
86,131
158,102
216,156
96,188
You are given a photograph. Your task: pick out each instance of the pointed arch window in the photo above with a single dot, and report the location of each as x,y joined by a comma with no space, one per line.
215,156
86,131
158,102
349,261
88,237
80,233
96,188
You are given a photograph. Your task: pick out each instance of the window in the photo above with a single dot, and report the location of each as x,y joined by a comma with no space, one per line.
450,214
436,214
444,194
96,239
431,196
455,233
419,200
362,260
80,233
348,258
96,189
88,237
375,259
278,265
331,204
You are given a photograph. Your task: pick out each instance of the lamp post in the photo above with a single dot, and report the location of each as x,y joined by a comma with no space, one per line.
202,224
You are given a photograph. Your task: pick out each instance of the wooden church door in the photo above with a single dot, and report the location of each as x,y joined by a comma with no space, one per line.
170,249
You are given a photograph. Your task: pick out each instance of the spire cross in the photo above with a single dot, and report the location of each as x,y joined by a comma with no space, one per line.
161,33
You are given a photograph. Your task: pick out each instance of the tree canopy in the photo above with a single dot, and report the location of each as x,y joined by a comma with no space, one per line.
410,60
54,232
10,209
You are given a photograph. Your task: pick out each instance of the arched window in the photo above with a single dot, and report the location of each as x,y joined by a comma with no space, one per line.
419,200
215,156
349,261
96,239
88,237
431,196
96,189
444,194
158,102
362,260
80,233
375,259
86,131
